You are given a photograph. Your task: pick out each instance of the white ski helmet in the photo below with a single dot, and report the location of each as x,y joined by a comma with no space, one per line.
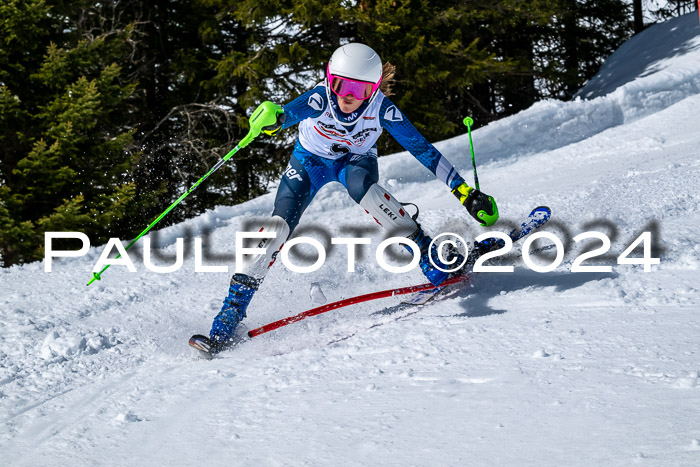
356,61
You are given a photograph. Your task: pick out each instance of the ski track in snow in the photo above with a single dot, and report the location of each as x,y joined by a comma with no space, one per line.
523,368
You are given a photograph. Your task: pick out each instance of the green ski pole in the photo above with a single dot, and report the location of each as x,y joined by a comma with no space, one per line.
488,219
258,121
469,122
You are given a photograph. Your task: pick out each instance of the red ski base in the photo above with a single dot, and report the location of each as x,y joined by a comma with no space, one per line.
538,217
352,301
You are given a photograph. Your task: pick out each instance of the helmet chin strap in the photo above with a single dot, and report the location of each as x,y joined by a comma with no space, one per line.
335,117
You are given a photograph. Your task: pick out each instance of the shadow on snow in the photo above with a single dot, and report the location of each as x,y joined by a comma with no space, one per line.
484,290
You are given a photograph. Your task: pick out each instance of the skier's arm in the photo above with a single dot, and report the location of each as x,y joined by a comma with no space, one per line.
403,131
270,118
308,105
479,205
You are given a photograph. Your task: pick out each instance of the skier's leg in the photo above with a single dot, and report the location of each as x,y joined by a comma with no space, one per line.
245,283
361,177
294,194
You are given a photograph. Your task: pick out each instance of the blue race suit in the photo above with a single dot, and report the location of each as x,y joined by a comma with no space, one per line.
357,172
334,146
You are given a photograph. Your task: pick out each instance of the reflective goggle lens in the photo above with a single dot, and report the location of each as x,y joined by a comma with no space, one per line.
344,86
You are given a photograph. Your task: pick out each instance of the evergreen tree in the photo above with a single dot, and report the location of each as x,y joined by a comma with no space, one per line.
582,35
439,58
110,110
673,8
514,31
63,107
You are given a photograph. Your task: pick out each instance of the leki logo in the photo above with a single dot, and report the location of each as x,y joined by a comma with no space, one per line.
388,211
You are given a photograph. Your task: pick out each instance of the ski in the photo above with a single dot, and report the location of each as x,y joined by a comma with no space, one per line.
421,298
208,349
535,219
538,217
204,345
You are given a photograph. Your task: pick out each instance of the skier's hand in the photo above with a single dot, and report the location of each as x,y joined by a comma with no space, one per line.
275,127
268,118
480,206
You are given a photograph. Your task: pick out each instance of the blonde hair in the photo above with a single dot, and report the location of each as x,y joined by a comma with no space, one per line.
388,71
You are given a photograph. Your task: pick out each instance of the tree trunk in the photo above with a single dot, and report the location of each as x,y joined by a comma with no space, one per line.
572,62
638,16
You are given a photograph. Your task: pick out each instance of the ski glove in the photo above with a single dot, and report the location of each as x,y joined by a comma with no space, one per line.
268,118
275,127
480,206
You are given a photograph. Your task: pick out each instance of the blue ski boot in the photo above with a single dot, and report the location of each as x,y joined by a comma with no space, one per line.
432,273
240,293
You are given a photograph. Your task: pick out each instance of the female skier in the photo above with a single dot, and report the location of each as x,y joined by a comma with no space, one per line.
340,121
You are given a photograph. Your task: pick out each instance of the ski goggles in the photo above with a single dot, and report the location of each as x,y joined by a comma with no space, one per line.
342,86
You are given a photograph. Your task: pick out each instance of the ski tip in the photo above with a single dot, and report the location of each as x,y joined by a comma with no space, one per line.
203,345
541,211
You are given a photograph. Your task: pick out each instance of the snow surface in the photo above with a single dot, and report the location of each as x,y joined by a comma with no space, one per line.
560,368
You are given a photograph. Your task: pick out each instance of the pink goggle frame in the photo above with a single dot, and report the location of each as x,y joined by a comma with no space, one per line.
342,86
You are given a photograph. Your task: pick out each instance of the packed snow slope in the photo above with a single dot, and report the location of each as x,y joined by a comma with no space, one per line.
522,368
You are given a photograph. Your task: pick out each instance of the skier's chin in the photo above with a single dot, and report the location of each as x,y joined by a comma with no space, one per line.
349,106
